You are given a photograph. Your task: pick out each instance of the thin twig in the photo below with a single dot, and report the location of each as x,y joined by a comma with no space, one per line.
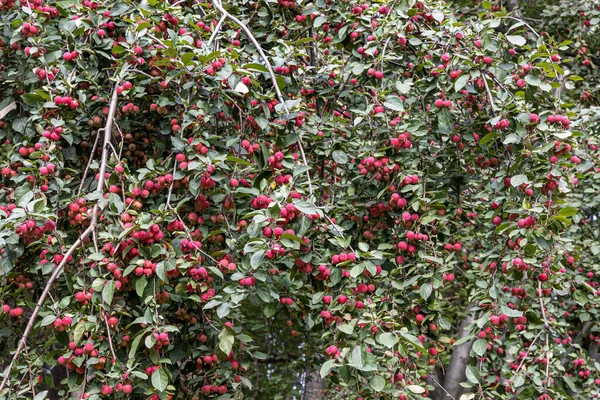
546,323
489,93
216,31
112,349
441,387
87,168
524,23
528,350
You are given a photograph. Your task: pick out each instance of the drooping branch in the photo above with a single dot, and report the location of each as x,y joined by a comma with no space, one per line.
248,32
78,242
261,52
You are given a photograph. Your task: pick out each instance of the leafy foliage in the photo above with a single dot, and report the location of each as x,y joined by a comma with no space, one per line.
200,235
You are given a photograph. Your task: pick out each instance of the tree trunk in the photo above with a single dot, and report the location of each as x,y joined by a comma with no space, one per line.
455,372
313,388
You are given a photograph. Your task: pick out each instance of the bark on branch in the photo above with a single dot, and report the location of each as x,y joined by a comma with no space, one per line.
78,242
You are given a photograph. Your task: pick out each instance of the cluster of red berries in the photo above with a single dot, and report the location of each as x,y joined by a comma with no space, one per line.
187,246
560,120
161,340
67,101
52,133
13,312
130,108
92,5
83,297
152,235
60,324
248,281
342,257
286,70
88,350
125,86
226,265
502,125
527,222
43,74
261,202
378,167
216,66
34,51
275,250
78,212
70,55
286,301
29,230
403,141
275,160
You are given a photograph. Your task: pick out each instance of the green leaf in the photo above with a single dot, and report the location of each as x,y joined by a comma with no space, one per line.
533,80
388,339
320,20
160,379
140,285
41,395
135,344
393,103
472,374
461,82
567,211
118,9
445,124
413,340
377,383
226,340
255,67
480,347
518,381
518,180
108,292
416,389
516,40
426,290
305,207
356,358
348,328
438,15
160,271
326,368
340,157
257,258
223,310
241,88
78,332
48,319
488,138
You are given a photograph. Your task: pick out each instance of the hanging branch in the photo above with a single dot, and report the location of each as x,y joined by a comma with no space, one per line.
262,54
79,241
226,14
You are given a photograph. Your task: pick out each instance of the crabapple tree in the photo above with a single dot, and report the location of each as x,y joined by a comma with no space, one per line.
255,199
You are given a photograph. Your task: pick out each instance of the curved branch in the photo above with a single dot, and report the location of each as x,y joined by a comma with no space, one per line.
247,31
71,250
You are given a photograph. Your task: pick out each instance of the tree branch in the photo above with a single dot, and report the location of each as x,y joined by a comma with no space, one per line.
71,250
262,54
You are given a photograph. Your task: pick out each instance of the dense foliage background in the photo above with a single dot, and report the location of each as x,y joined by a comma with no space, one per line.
299,199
